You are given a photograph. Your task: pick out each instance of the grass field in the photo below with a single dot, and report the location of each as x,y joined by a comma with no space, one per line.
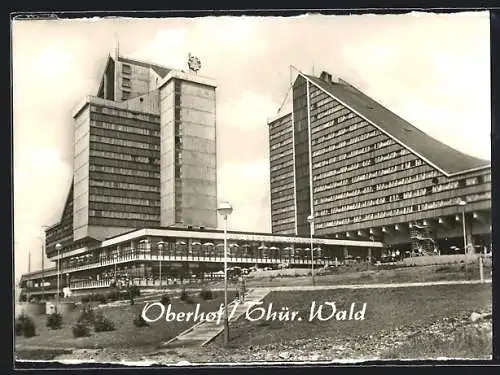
387,309
126,335
366,274
466,341
400,323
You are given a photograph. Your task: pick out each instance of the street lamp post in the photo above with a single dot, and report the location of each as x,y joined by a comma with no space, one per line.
463,203
225,209
28,282
43,267
310,220
58,248
42,240
160,248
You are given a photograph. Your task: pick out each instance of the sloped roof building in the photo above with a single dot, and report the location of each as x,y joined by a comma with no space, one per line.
364,172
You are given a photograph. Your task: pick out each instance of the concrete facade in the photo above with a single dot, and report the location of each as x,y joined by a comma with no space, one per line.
363,172
144,155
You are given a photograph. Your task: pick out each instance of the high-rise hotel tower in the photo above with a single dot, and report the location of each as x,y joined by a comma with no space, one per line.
144,155
365,173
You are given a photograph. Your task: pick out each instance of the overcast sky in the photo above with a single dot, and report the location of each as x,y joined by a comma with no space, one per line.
433,70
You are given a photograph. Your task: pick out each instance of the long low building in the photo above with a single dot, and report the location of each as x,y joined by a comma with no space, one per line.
178,254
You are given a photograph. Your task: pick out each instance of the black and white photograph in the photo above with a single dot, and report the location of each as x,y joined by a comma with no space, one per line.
245,189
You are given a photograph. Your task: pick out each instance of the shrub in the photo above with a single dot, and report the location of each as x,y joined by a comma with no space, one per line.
102,299
165,299
114,295
24,326
135,291
140,322
206,294
81,329
87,316
54,320
18,326
29,329
124,294
85,299
103,324
184,295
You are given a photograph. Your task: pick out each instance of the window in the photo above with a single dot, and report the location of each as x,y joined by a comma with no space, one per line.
122,128
124,142
124,215
125,82
124,185
118,156
471,181
123,171
125,95
126,69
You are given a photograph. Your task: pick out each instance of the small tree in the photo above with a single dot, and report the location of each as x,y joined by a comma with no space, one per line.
24,326
85,299
113,295
102,299
87,316
135,291
103,324
54,320
165,299
206,294
140,322
184,295
81,329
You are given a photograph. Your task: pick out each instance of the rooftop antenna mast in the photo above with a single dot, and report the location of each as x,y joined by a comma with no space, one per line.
291,69
117,46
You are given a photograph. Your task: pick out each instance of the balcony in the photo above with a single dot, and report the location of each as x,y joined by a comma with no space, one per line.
302,259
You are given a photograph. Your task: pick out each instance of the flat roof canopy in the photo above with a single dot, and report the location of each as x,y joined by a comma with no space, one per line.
235,236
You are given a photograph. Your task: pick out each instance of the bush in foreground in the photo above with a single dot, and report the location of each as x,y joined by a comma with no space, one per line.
185,296
85,299
102,299
54,320
140,322
81,329
116,295
87,316
98,297
103,324
165,300
113,295
206,294
134,291
24,326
